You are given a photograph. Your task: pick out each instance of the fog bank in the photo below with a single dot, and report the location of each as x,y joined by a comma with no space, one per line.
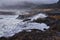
22,2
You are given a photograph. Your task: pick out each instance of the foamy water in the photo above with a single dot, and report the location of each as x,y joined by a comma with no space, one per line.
9,25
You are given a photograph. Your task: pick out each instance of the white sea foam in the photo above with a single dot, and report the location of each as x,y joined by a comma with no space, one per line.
9,27
39,26
8,16
40,15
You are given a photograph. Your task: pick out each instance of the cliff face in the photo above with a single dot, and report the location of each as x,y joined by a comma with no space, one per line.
58,4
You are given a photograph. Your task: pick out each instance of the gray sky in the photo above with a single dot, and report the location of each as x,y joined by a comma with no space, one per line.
21,2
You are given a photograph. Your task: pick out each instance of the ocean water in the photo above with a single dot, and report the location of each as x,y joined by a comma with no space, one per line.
9,25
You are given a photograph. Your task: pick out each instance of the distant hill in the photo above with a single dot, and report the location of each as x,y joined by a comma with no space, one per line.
56,5
31,5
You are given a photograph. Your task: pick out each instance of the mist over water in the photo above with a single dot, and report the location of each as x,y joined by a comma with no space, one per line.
24,3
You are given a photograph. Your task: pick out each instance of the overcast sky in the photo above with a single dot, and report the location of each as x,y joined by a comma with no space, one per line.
21,2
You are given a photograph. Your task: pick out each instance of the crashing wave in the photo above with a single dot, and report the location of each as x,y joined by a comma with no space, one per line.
10,26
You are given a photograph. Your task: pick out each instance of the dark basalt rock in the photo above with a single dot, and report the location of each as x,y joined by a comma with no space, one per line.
3,38
34,35
26,20
56,27
49,21
22,17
